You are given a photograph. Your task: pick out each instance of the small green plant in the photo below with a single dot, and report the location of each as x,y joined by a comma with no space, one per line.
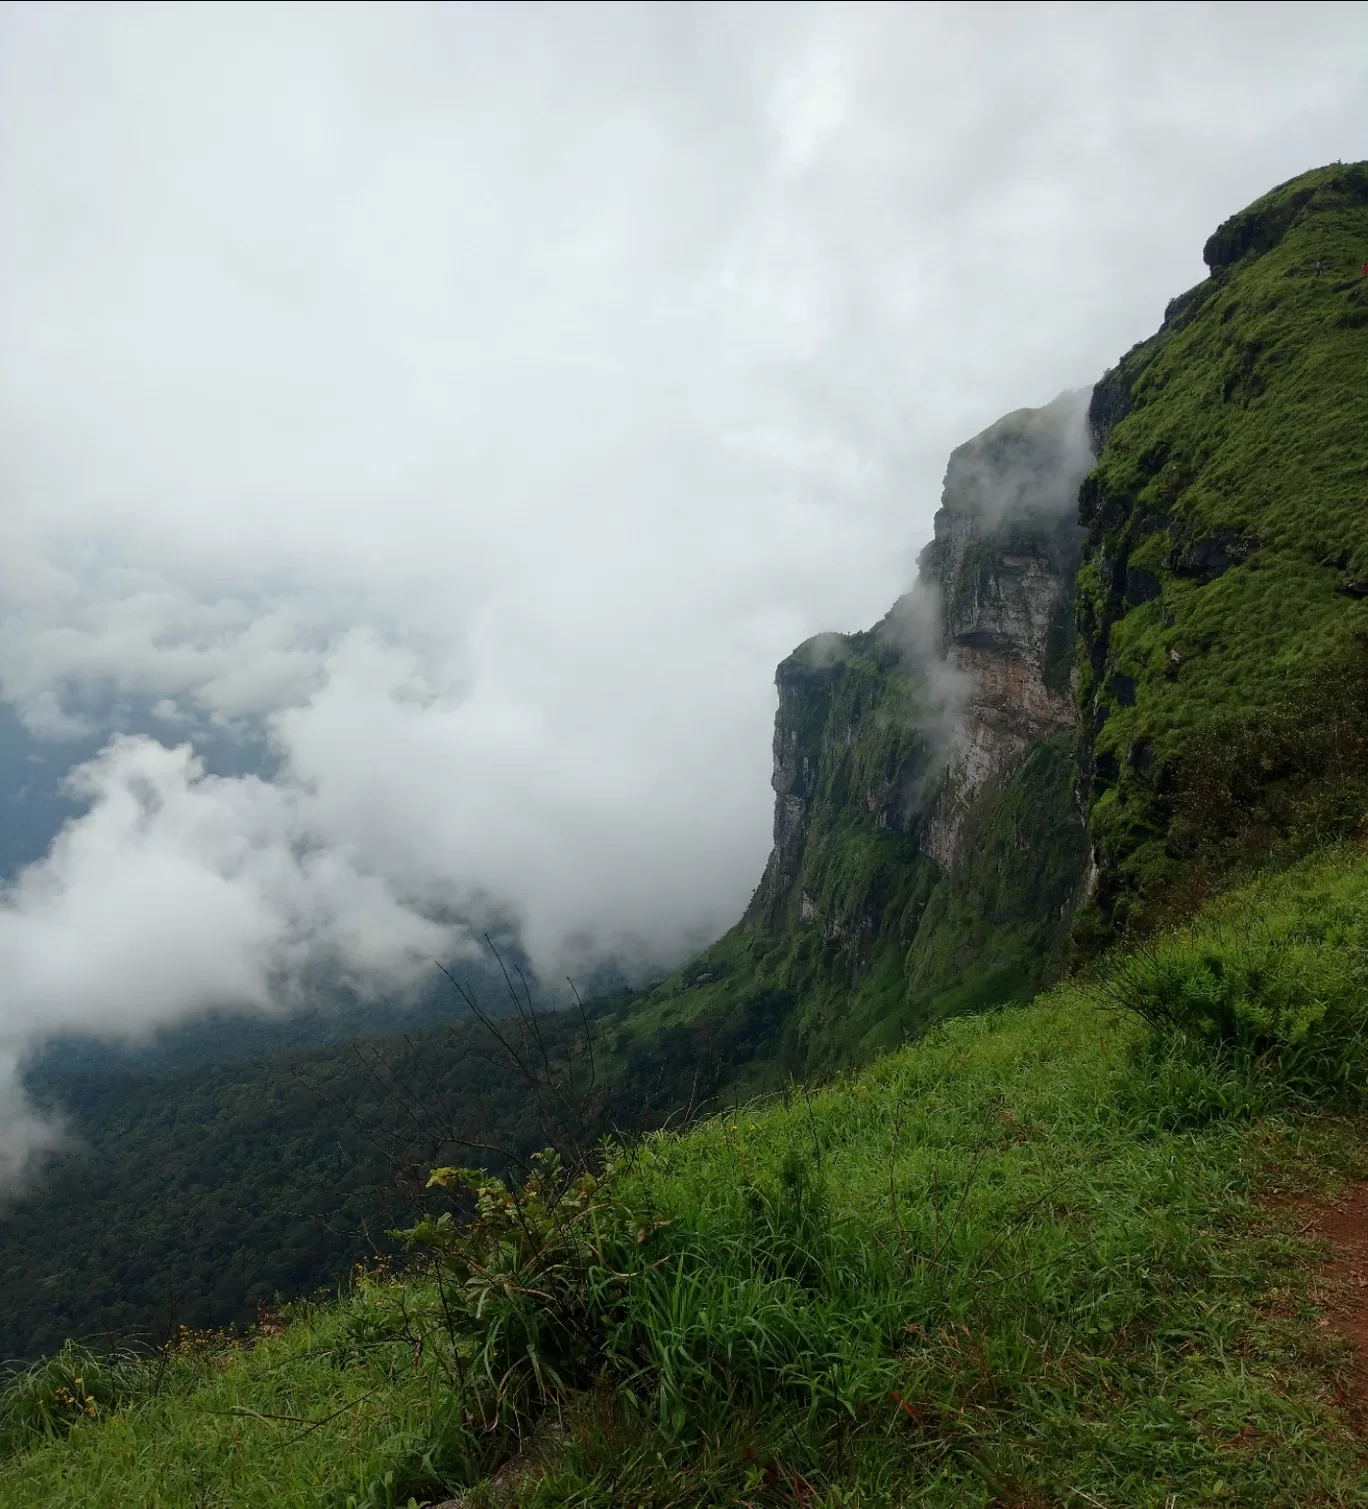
526,1283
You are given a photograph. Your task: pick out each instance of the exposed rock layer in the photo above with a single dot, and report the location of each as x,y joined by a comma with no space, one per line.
900,838
1003,559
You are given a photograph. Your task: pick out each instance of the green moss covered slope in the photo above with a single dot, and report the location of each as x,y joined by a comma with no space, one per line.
1028,1260
1222,689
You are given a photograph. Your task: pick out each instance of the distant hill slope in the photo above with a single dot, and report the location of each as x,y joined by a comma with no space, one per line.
329,1015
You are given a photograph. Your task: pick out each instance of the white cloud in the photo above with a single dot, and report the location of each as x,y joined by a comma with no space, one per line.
482,400
179,891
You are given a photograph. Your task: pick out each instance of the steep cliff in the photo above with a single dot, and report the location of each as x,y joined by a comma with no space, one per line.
1098,701
1222,685
1003,562
928,848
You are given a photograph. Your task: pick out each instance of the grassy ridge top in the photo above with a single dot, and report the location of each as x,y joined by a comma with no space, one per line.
1021,1260
1225,574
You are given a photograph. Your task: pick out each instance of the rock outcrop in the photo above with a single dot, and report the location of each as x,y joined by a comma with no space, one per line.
966,672
928,847
1003,562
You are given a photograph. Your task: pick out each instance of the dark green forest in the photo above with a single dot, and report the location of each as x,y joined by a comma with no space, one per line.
189,1196
196,1195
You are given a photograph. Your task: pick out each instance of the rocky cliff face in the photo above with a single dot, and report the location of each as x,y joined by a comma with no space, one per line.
966,672
927,845
1003,562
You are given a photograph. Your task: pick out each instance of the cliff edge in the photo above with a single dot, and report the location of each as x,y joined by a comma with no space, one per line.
928,848
1222,685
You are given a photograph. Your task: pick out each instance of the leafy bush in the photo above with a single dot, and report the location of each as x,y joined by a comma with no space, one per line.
527,1283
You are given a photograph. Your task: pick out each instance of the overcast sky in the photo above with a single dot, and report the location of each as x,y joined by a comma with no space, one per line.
480,401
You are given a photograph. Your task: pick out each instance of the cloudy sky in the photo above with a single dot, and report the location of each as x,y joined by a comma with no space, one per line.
457,411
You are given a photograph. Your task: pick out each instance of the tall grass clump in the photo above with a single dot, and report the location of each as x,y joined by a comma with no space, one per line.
1275,975
46,1399
552,1287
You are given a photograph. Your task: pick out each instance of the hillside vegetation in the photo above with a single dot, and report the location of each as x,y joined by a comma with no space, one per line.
1223,598
1024,1259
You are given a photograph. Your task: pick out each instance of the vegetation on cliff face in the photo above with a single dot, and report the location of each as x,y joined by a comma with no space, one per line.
846,885
928,849
1020,1261
1222,688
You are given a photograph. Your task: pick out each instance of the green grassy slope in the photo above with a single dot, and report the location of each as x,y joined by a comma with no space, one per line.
1021,1262
1223,698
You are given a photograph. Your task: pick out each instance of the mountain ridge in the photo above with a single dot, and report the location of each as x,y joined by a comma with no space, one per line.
931,857
916,766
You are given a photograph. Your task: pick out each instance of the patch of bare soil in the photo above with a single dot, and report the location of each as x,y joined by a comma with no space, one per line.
1341,1285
